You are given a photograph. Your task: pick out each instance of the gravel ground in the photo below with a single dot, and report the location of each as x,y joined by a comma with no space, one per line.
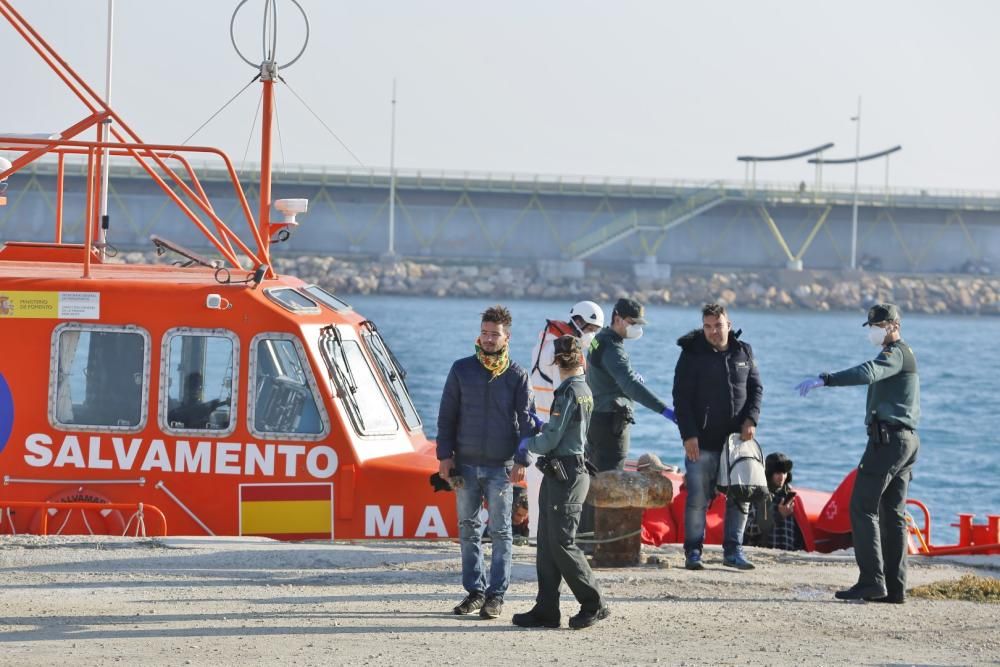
190,601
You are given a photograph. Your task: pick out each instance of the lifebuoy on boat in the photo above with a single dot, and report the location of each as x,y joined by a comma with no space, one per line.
81,521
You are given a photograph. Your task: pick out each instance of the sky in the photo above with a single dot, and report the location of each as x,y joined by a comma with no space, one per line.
654,89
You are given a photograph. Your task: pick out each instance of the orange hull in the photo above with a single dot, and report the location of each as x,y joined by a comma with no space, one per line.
244,482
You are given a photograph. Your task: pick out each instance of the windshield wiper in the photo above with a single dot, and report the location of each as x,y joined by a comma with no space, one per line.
397,367
332,344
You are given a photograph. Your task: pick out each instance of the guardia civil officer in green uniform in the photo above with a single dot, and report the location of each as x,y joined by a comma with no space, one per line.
617,387
560,499
878,502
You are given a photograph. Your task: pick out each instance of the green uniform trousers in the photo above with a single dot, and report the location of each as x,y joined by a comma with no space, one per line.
607,447
558,557
878,506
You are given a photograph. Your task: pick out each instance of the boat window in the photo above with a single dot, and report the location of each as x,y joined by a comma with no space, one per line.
328,299
100,377
197,381
292,300
392,372
285,400
356,384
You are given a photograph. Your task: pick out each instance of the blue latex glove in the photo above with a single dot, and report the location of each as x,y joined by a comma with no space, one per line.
669,414
806,386
539,422
522,455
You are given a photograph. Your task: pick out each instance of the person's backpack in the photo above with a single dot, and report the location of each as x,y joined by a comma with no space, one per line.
741,471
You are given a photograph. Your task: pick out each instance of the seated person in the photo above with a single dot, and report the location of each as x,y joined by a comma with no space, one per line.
192,412
779,529
519,515
518,518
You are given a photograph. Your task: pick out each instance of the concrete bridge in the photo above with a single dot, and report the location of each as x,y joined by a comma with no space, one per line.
565,223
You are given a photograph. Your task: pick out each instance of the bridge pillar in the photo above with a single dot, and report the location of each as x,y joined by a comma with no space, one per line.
649,269
794,265
559,268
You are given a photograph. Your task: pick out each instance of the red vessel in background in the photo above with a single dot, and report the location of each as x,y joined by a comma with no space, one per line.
825,522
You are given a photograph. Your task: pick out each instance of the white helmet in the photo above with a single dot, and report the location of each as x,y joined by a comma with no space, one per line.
589,312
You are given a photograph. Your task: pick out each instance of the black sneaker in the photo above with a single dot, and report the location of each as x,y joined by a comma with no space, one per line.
530,619
472,602
492,607
861,592
585,619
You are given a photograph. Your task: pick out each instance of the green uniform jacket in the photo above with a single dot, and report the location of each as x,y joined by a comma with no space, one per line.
611,378
566,431
893,385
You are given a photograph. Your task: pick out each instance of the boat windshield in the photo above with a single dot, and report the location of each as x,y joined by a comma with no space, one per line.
326,298
356,385
392,372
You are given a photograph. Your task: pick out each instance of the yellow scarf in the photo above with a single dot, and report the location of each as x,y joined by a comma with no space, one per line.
496,364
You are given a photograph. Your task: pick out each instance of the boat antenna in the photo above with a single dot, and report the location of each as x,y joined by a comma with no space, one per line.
268,68
105,130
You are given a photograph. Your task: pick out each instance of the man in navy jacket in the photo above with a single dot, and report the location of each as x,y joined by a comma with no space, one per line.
485,411
717,391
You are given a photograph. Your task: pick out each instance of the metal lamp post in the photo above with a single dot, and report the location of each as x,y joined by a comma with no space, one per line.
854,212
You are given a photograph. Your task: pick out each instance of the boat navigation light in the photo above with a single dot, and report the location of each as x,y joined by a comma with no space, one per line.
217,302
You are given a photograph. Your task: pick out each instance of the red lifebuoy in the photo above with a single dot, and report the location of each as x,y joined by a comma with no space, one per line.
76,522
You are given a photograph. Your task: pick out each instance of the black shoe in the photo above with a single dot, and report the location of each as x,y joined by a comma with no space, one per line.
585,619
472,602
889,599
530,619
861,592
492,607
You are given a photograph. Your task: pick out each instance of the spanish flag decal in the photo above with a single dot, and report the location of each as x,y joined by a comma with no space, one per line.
287,511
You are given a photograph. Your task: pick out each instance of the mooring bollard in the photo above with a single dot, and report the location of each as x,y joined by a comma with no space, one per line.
619,498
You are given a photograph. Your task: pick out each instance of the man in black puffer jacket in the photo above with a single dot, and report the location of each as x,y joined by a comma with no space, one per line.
717,391
485,411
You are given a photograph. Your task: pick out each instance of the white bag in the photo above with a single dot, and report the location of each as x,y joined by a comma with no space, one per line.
741,470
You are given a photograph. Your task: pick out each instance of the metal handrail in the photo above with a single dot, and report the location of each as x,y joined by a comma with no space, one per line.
45,505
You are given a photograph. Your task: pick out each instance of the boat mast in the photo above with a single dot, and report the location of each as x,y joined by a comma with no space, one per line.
268,73
105,131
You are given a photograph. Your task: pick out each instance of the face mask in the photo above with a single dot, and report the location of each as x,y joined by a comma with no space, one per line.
633,331
876,335
585,340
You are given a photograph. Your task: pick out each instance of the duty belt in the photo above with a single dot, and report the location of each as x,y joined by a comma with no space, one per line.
574,459
896,426
889,426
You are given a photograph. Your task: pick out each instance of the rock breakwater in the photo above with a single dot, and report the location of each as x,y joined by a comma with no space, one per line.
769,289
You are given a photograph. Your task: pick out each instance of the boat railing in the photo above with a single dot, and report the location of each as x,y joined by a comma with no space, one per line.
114,138
136,520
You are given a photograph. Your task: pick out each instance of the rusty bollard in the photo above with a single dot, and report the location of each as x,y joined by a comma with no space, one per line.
619,498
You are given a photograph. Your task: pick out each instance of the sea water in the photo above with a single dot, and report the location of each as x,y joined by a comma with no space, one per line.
823,433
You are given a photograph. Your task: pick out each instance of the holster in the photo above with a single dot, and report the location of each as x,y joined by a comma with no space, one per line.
552,467
878,432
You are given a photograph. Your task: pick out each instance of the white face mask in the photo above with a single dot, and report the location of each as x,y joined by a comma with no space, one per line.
585,340
633,331
876,335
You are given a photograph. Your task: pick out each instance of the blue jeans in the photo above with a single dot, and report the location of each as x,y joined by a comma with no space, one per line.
700,478
492,484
